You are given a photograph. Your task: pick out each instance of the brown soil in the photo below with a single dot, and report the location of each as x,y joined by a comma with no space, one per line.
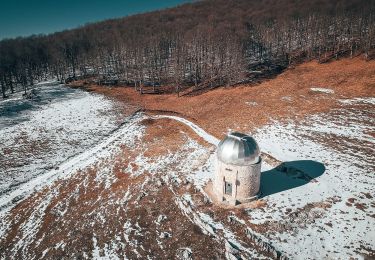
92,210
84,199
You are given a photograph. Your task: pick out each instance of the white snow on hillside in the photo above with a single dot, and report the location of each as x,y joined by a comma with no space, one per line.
338,215
198,130
127,134
332,228
38,134
367,100
319,202
336,172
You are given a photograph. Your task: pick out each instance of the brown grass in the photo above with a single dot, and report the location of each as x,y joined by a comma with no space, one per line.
217,110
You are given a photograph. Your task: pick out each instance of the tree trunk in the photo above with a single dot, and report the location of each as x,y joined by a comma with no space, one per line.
3,88
11,84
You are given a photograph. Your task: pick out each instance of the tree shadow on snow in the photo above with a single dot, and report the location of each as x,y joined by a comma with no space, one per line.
289,175
11,111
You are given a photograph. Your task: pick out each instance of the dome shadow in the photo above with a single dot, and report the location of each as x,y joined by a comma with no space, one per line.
289,175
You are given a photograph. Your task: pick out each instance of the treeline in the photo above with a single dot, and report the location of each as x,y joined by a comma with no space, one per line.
204,44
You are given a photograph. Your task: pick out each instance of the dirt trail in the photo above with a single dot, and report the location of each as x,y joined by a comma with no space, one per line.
198,130
71,165
82,160
139,192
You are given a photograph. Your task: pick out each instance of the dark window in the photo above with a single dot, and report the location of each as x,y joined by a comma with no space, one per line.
228,169
228,188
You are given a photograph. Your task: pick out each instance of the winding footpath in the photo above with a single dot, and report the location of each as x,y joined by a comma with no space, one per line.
80,161
198,130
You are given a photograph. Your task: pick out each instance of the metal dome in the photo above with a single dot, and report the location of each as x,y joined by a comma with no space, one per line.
238,149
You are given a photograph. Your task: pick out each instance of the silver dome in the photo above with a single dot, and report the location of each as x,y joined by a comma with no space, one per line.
238,149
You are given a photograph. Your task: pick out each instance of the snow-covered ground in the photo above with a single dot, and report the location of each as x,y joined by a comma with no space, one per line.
198,130
332,184
330,179
331,215
317,204
38,134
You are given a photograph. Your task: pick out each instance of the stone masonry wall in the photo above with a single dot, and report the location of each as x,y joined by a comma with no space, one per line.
245,180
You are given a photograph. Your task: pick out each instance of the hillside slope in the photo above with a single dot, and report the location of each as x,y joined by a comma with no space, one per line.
246,107
204,44
144,191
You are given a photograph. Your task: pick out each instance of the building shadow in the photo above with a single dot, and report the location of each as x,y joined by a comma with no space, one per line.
289,175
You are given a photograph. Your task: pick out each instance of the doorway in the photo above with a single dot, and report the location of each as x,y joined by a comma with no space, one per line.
228,188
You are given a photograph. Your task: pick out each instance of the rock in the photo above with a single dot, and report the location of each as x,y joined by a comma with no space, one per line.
233,252
184,253
160,219
142,195
17,198
264,245
165,235
206,200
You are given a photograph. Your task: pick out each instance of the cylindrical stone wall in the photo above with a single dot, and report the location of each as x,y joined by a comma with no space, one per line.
244,181
248,181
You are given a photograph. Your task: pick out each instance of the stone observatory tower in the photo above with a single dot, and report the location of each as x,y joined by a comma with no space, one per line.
237,178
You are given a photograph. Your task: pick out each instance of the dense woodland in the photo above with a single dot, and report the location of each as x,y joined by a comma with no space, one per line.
199,45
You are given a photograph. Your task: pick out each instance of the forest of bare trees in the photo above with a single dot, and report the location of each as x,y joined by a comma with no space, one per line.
202,45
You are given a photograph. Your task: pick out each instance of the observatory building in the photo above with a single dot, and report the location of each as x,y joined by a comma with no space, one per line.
237,178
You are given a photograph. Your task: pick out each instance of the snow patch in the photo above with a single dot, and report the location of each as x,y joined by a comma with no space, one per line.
198,130
323,90
353,101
